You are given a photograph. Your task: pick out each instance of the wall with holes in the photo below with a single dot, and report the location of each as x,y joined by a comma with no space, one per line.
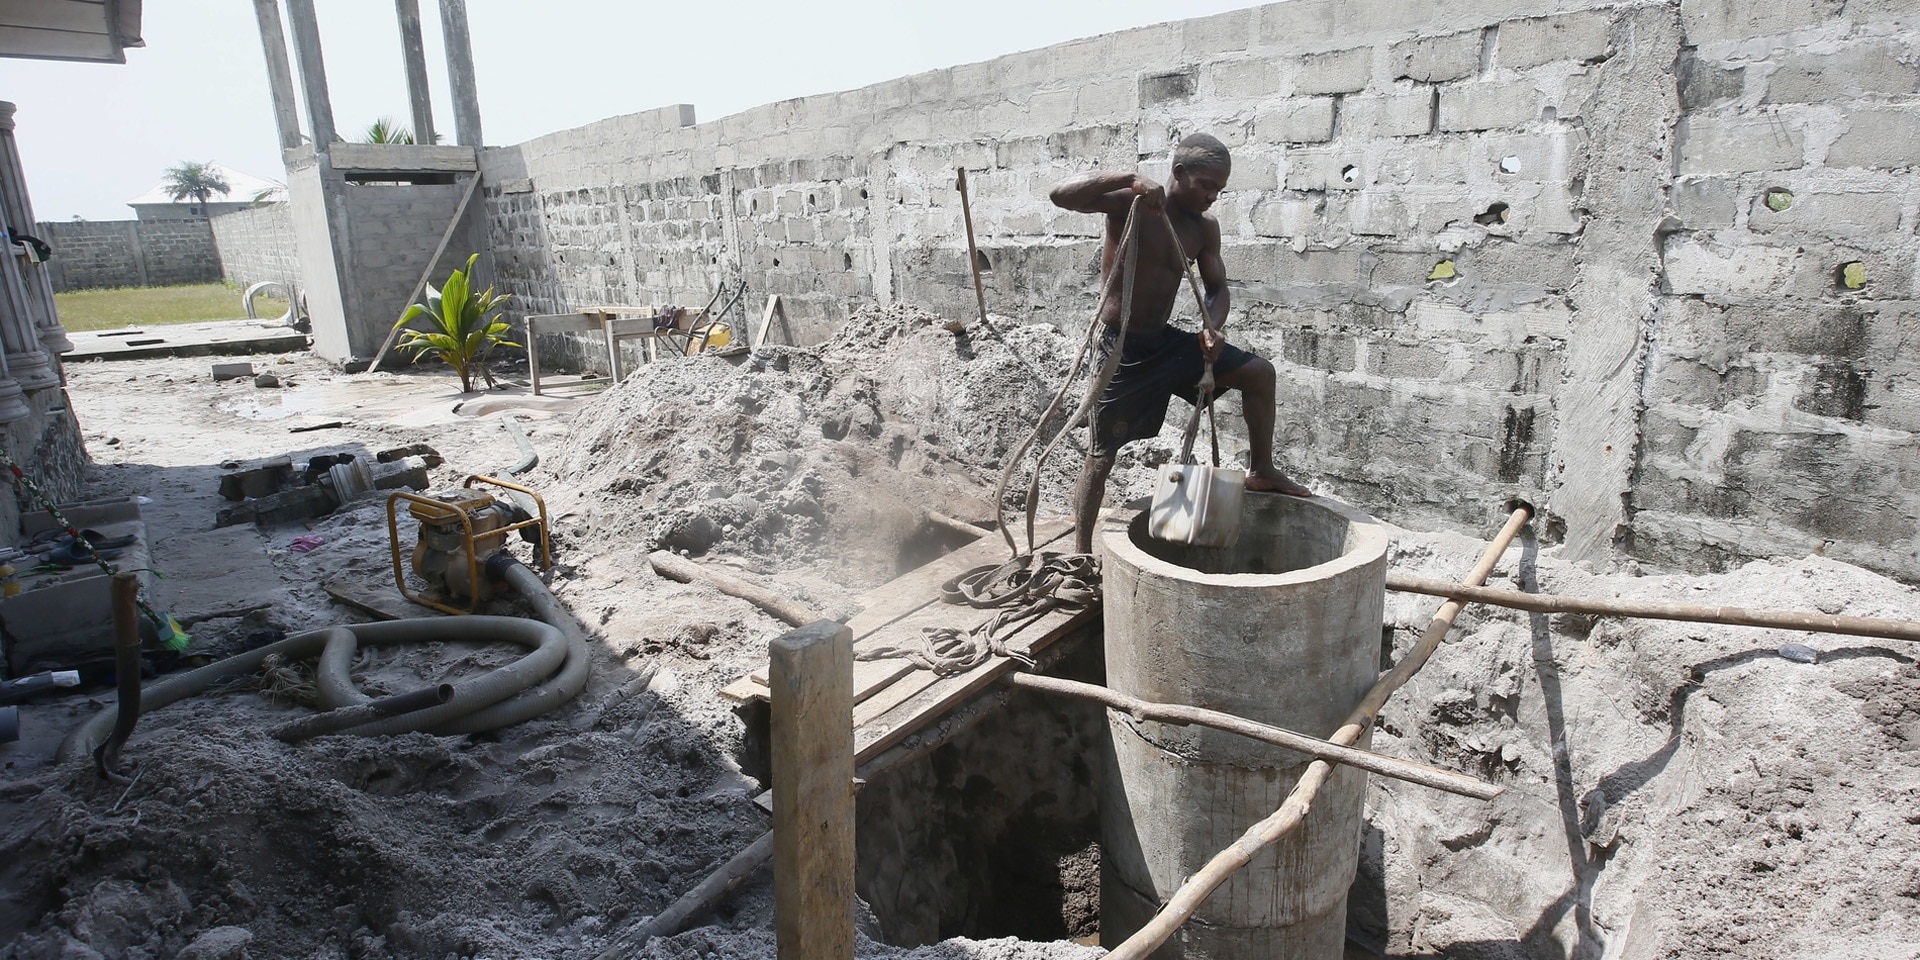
1649,265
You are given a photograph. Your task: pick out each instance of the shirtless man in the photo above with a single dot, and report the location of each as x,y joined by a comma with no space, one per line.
1159,361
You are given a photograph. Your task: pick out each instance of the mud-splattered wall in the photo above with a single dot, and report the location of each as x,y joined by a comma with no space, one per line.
1495,247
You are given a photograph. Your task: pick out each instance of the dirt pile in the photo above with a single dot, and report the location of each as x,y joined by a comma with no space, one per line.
802,454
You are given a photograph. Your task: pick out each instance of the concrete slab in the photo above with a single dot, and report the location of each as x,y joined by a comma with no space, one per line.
185,340
218,573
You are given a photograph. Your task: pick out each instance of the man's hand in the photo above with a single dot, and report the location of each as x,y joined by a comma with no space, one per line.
1211,343
1152,195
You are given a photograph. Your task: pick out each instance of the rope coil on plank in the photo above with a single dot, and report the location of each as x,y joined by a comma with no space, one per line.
1022,589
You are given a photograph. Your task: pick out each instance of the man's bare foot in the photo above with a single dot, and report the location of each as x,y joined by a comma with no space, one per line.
1273,481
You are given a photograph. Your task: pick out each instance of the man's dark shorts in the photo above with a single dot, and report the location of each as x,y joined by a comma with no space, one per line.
1153,367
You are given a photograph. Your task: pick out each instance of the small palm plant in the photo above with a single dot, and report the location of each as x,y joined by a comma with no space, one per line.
463,333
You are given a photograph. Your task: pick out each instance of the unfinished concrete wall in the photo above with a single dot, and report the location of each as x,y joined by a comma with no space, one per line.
1496,248
257,244
392,228
130,253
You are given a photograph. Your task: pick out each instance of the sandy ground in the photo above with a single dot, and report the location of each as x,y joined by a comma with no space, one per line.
1674,790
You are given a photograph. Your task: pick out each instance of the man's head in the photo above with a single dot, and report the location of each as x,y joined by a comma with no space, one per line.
1200,169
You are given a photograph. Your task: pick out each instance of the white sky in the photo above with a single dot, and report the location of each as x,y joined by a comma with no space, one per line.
93,136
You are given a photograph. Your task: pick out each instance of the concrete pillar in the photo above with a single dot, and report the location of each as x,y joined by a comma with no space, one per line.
27,361
466,97
17,208
313,71
273,42
1283,628
413,50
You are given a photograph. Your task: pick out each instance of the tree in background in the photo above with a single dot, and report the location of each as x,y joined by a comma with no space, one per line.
384,130
197,180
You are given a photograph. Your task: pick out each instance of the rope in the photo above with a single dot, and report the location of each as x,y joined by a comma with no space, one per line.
1023,589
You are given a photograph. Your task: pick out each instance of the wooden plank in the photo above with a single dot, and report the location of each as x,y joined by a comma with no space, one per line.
745,690
766,320
812,736
936,698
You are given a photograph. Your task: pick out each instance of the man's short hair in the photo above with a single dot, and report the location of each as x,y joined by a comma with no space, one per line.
1201,151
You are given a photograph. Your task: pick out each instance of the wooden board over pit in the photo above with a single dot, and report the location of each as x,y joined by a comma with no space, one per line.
892,698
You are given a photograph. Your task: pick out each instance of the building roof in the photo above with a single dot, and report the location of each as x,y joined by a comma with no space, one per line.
241,188
85,30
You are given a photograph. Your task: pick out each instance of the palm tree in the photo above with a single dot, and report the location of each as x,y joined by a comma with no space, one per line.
197,180
384,130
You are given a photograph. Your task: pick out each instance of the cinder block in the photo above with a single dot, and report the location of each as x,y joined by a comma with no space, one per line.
1861,70
1705,203
1297,121
1105,101
1312,267
1254,174
1406,362
1489,106
1378,214
1206,37
1582,37
1716,271
1395,115
1248,262
1326,169
1885,137
1285,218
1707,21
1241,79
1047,110
1169,86
1840,215
1713,145
1436,59
1342,71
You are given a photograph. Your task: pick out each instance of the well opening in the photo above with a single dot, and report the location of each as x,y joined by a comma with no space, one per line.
1277,535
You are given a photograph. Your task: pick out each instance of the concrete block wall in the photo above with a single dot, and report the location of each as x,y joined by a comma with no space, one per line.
130,253
1482,242
391,231
1781,400
256,244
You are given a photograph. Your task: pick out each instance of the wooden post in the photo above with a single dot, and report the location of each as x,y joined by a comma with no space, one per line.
466,95
273,41
810,673
313,71
413,51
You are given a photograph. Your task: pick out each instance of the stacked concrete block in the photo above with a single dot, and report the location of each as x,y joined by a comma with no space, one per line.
256,245
130,253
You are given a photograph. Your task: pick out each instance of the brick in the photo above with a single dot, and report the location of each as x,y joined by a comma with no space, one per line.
1406,361
1342,71
1706,21
1488,106
1222,33
1297,121
1248,262
1725,271
1322,266
1169,87
1863,70
1395,115
1318,349
1582,37
1372,213
1436,59
1286,218
1884,137
1711,145
1845,215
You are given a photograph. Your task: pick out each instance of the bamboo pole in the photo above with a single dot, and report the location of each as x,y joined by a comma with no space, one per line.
680,568
1408,770
1293,812
1658,610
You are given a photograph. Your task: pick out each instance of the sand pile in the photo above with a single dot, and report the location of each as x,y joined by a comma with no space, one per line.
803,454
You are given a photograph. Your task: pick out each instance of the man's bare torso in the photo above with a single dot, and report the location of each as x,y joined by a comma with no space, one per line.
1161,274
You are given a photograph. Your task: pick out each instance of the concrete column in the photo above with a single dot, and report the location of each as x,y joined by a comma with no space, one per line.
466,97
17,207
413,50
1283,628
27,361
273,41
313,71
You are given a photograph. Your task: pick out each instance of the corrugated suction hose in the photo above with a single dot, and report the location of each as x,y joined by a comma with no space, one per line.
553,671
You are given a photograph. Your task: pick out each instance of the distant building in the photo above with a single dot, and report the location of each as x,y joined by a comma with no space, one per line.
243,190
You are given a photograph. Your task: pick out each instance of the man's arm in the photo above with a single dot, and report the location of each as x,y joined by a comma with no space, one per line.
1213,277
1108,192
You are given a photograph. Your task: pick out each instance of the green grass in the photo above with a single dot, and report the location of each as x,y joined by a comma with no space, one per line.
83,310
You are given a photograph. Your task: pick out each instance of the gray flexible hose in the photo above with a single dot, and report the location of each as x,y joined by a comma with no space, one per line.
554,671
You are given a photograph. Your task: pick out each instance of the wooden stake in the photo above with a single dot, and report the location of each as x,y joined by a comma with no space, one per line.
1656,610
1398,769
1293,812
675,567
811,680
973,253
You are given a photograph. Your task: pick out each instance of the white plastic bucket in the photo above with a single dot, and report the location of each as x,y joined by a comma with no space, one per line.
1198,506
